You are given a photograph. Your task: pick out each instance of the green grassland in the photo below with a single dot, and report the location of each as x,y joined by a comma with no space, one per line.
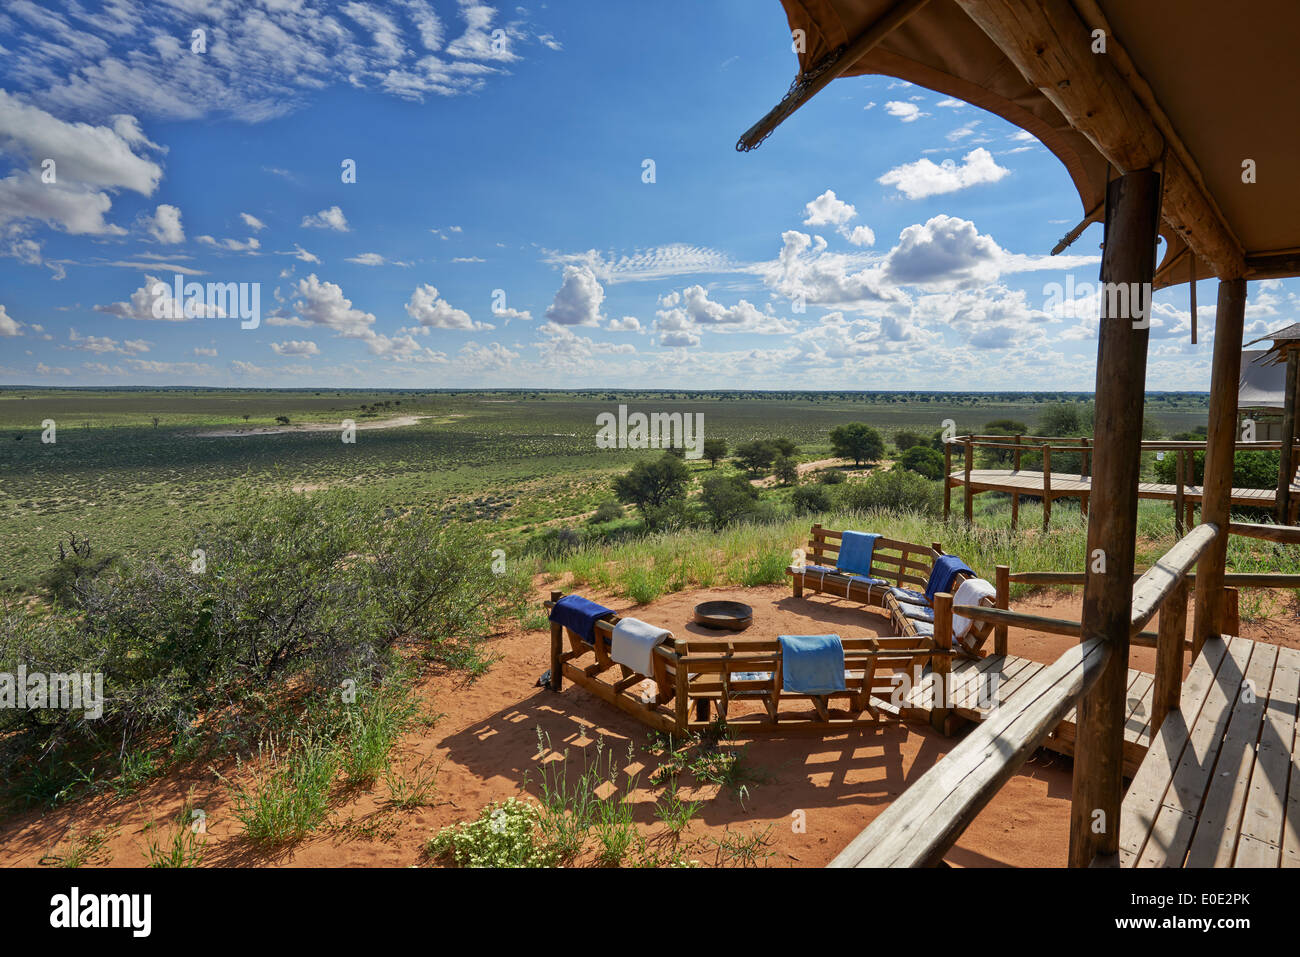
130,467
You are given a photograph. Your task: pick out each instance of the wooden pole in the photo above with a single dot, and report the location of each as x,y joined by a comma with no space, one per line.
557,648
1015,496
1284,471
941,665
1047,486
1216,486
947,480
1180,493
1132,214
1169,656
1003,600
1231,612
970,496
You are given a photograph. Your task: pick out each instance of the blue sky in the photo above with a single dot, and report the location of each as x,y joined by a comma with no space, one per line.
501,230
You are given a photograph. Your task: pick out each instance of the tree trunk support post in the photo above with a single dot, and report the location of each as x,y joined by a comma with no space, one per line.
947,481
1047,486
1284,470
1003,601
1170,643
1221,440
1132,216
941,664
557,647
970,495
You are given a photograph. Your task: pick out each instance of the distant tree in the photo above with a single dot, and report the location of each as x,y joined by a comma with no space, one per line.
715,450
905,440
282,419
755,456
652,484
923,460
726,498
857,441
245,416
784,447
155,421
786,470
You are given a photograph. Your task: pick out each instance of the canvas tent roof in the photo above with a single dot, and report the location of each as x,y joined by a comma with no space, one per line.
1262,384
1217,82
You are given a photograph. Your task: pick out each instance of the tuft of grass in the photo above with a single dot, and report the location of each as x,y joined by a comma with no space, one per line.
292,798
184,847
407,792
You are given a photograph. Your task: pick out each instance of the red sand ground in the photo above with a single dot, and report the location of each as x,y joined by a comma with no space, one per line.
486,742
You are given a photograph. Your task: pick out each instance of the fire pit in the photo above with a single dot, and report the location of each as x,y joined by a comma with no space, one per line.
729,615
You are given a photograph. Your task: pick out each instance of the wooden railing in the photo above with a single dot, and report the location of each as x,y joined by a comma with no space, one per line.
1045,445
920,827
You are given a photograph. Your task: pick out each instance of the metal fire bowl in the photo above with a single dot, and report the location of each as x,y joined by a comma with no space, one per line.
731,615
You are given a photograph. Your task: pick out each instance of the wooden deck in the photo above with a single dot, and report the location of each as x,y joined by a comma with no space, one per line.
1070,485
977,685
1220,785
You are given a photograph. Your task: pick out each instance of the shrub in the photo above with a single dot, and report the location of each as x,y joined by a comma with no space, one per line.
923,461
726,499
298,594
906,440
812,500
606,512
77,563
897,490
831,477
756,456
503,835
1250,469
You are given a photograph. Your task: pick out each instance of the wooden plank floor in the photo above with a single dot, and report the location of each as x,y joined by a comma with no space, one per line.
1220,785
977,685
1067,485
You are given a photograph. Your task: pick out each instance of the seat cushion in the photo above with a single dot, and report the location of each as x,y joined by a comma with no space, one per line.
909,596
923,628
918,613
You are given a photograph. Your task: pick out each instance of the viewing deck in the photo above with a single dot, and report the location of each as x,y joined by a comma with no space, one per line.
1220,785
1071,485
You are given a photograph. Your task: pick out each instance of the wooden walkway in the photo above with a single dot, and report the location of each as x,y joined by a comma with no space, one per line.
977,685
1070,485
1220,786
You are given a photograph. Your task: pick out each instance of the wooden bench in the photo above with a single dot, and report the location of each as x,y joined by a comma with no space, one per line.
894,564
693,675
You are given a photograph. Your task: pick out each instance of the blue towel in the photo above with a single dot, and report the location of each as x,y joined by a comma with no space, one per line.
580,615
945,570
812,664
855,552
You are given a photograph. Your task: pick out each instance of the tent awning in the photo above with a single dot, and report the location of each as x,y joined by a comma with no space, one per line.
1218,84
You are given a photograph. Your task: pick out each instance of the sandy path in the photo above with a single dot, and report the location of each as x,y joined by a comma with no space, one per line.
395,422
806,467
486,743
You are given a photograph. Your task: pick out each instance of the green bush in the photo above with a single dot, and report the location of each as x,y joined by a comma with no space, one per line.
1250,469
812,500
896,490
297,594
727,498
606,512
924,461
503,835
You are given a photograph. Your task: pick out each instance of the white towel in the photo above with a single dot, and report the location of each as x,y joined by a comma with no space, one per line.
969,592
634,642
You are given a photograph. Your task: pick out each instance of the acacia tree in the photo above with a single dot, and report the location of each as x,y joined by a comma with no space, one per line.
857,441
652,484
